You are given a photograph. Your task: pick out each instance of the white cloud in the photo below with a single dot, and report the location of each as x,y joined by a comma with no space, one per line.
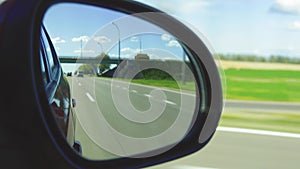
134,39
128,56
173,43
295,26
81,38
130,50
162,57
193,6
85,51
256,52
179,6
57,40
290,48
126,50
165,37
286,6
102,39
112,55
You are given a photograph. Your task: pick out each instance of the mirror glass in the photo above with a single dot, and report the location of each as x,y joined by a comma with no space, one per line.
119,86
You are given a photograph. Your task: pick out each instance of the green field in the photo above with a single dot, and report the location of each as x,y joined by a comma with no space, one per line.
258,85
248,84
264,85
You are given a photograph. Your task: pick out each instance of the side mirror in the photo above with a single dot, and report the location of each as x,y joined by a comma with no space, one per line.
146,88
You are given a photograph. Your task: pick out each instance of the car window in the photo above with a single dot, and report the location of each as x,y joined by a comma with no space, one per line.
56,87
47,51
43,68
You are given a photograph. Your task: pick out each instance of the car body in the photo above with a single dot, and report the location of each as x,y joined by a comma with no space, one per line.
58,90
69,74
80,74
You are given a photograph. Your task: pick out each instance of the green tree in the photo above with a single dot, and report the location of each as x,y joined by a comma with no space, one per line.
103,66
87,69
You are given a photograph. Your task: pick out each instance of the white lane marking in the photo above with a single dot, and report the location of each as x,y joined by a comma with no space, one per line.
259,132
90,97
79,84
169,102
147,95
190,167
152,87
134,91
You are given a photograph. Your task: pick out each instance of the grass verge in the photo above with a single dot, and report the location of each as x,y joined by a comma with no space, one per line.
189,86
282,122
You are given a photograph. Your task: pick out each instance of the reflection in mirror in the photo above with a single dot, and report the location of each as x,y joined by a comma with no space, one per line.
131,83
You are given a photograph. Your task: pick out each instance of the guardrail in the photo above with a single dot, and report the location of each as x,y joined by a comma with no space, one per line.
89,60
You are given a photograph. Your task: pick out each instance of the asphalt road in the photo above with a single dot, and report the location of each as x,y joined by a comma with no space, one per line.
263,106
226,150
231,150
246,150
106,120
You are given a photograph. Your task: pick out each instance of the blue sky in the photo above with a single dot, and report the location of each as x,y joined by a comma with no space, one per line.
97,30
261,27
86,31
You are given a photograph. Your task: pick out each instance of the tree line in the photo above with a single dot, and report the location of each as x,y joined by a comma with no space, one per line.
255,58
94,67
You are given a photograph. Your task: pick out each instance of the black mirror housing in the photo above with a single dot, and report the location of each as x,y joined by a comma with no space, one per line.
30,131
